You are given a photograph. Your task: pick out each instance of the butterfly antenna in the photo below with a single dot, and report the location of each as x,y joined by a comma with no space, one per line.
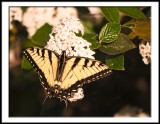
45,99
66,102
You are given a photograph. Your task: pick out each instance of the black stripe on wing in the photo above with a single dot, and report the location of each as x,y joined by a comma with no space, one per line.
50,56
42,78
101,74
38,51
86,62
92,78
35,66
75,63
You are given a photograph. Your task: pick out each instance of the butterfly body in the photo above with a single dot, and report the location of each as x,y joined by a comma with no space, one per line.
62,75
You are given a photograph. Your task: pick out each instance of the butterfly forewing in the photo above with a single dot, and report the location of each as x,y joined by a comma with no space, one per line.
84,70
45,63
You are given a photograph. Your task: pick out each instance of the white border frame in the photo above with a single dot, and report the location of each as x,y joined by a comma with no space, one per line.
5,63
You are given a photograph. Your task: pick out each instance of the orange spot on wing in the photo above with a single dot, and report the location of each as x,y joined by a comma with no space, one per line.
56,91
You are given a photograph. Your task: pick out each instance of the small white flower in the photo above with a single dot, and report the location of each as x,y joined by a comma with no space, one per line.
78,53
78,48
77,96
145,51
64,46
85,43
63,35
88,53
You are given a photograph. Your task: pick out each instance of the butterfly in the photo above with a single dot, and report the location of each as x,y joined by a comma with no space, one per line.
62,75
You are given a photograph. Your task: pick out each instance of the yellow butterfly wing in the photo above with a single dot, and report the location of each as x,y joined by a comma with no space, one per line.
80,70
45,63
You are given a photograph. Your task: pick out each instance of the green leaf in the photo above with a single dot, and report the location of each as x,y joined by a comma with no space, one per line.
132,12
111,13
88,26
90,36
29,43
26,64
142,29
95,46
41,36
122,44
79,34
24,9
115,62
109,32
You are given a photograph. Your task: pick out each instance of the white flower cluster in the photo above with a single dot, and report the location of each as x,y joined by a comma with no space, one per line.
35,17
77,96
145,51
66,39
63,37
15,14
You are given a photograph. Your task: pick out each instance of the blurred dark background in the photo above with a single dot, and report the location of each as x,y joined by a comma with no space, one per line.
124,93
